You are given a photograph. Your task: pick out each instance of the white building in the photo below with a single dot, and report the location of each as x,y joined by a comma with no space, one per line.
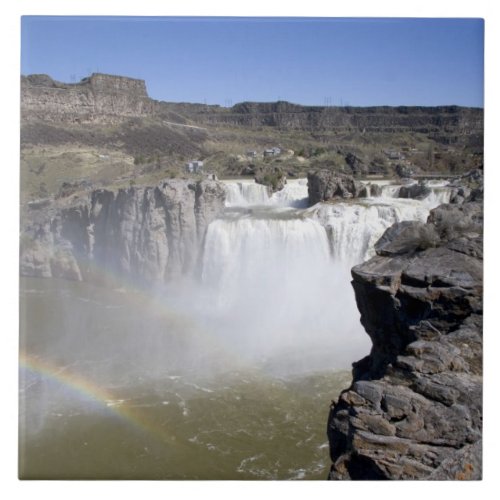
194,167
272,152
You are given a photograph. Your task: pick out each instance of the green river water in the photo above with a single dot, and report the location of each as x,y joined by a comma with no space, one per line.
115,384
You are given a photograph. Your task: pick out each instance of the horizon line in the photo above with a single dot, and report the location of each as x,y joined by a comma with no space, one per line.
250,101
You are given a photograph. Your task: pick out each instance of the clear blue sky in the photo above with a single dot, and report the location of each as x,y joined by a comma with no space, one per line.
360,62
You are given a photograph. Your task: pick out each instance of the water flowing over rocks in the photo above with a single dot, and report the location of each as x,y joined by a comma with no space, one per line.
148,233
414,409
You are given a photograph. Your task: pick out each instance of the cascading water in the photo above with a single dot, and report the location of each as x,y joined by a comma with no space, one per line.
245,193
439,191
279,277
273,280
220,378
355,227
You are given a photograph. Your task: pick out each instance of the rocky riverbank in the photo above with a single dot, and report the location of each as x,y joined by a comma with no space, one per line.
414,409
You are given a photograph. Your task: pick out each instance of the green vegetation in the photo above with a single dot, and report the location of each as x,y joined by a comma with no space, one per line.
147,149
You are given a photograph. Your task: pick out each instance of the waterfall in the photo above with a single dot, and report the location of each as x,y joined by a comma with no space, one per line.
294,194
260,253
437,196
439,191
275,288
355,227
276,275
245,193
390,191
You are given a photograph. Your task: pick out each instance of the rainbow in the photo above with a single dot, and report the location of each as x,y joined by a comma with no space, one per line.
92,392
133,294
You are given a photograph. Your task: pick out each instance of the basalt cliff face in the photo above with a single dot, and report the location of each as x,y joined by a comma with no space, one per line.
466,123
108,98
147,234
414,409
96,98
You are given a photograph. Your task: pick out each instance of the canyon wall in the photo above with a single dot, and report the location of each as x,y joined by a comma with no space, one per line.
148,234
109,98
96,98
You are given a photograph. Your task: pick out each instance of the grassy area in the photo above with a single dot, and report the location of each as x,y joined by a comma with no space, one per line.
147,149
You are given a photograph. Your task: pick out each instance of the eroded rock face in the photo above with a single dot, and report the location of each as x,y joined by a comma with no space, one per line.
98,97
414,410
149,234
325,185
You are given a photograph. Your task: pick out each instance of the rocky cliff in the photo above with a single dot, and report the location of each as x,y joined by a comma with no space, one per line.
102,97
414,409
444,123
147,234
96,98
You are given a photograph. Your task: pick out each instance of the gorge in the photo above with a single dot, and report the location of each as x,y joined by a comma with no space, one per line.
177,326
265,276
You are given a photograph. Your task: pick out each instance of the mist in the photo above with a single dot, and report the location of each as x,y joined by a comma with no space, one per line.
266,320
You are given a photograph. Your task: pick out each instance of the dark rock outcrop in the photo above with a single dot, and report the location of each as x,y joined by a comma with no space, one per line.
414,409
148,234
407,236
356,164
403,171
416,191
326,185
374,190
468,187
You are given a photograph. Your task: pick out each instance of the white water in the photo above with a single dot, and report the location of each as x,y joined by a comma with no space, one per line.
245,193
277,278
439,192
274,290
355,227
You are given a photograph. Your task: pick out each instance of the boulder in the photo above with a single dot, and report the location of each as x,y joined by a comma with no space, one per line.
416,191
403,171
407,237
327,185
375,190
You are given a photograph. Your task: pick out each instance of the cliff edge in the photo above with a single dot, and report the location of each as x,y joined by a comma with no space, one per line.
99,97
145,233
414,409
